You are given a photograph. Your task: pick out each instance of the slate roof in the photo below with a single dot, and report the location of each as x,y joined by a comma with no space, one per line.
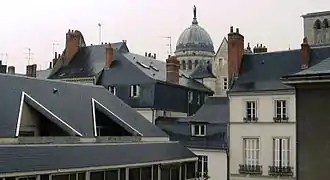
156,70
214,113
47,157
203,70
215,110
90,61
262,71
72,103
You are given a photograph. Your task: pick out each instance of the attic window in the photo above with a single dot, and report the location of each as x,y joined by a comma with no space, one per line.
198,129
154,68
113,89
142,64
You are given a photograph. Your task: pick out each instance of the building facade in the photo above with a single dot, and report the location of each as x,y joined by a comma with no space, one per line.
312,99
317,27
205,134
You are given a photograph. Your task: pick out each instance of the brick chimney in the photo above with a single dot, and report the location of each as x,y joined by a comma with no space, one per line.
259,49
11,70
3,68
172,69
235,52
305,52
109,56
31,70
71,45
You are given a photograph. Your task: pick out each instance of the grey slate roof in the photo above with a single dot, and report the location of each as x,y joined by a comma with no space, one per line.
203,70
156,70
72,103
215,110
214,113
321,68
90,61
262,71
43,157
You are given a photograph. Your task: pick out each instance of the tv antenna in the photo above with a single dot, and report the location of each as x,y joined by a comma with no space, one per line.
29,55
54,45
100,32
169,44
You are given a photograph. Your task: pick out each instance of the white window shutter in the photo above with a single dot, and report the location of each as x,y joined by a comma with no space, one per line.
277,152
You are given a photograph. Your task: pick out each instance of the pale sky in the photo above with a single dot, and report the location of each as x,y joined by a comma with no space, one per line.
37,24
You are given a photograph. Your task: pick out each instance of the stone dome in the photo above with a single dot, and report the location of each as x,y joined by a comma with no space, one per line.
194,38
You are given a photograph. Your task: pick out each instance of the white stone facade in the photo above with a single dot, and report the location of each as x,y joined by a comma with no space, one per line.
263,142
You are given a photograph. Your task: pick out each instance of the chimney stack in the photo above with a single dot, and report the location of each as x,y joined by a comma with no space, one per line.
50,65
149,55
71,45
235,52
305,53
109,56
172,69
259,49
11,70
3,68
31,70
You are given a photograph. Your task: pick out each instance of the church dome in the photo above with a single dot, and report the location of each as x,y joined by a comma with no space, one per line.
194,38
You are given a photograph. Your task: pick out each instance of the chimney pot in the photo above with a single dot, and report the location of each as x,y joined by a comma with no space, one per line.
149,55
154,55
172,69
145,54
31,70
231,29
237,30
11,70
50,65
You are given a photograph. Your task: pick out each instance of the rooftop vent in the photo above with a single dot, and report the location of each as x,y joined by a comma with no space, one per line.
143,65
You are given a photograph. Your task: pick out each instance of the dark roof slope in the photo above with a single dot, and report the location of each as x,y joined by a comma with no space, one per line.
215,110
72,103
179,130
322,67
262,71
203,70
156,69
43,157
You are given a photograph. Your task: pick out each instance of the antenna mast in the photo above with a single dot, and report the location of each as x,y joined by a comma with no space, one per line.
29,55
169,44
100,33
54,45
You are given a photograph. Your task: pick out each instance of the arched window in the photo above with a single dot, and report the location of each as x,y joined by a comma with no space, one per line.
183,65
196,63
325,23
317,24
189,64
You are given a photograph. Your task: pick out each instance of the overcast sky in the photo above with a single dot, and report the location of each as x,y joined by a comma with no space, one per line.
38,24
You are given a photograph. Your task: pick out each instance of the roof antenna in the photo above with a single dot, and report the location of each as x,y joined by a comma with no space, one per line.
169,44
289,47
100,33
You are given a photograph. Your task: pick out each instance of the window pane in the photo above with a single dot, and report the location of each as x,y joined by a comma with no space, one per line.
64,177
190,170
165,173
111,174
155,172
183,171
96,175
122,174
202,129
81,176
175,173
45,177
134,174
146,173
72,176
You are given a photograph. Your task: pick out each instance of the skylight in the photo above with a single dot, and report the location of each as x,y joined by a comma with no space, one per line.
142,64
154,67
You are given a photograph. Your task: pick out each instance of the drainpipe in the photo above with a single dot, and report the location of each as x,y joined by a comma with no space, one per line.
153,120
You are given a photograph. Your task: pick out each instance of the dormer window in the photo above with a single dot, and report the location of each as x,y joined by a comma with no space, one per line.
113,89
190,96
198,129
135,91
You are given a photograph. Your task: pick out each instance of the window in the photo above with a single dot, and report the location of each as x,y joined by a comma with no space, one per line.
198,99
135,91
251,151
189,64
143,173
225,83
251,111
190,96
183,65
280,110
113,89
281,152
202,166
198,130
196,63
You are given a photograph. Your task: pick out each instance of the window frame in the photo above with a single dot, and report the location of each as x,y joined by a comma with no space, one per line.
113,89
281,156
135,90
251,151
254,111
202,161
190,97
283,114
200,131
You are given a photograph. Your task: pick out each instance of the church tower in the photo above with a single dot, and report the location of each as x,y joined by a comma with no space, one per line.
316,28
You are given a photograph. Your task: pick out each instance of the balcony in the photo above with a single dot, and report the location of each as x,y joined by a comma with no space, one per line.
250,119
280,119
250,169
280,171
